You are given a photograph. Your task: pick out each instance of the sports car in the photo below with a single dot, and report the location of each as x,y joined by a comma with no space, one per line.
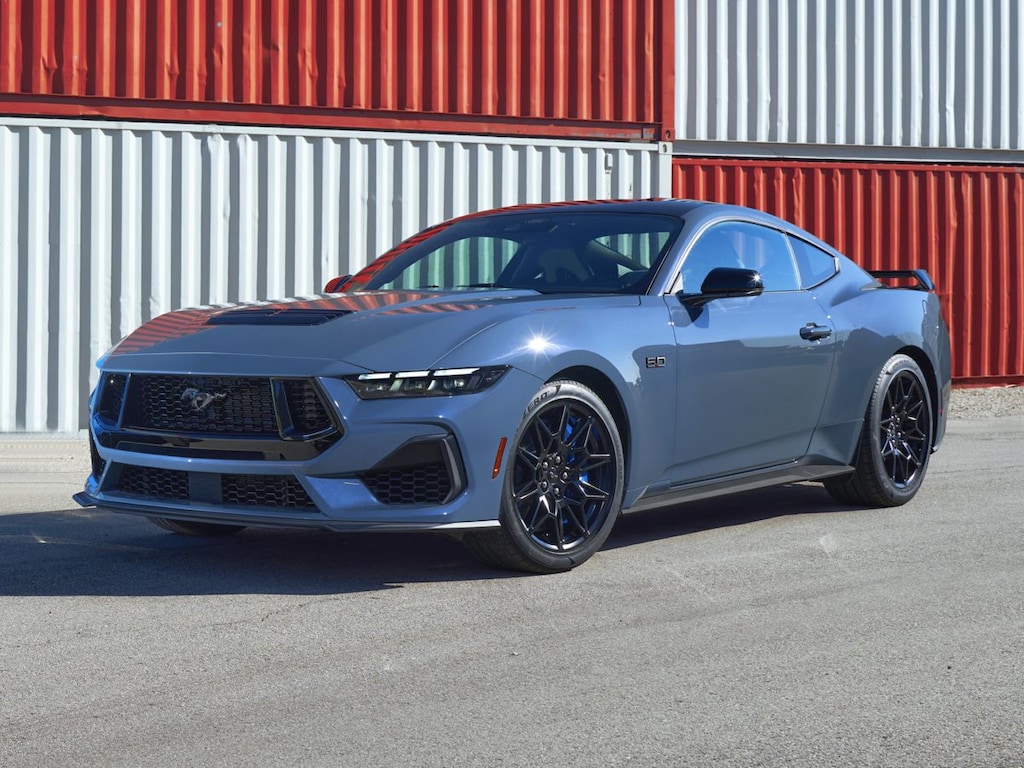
519,378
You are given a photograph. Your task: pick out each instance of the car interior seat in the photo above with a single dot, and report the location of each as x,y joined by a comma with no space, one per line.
561,266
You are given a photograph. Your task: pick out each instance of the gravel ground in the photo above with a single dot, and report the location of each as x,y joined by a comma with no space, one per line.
986,403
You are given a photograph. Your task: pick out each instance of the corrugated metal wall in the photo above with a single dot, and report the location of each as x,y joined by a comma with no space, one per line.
899,73
536,67
965,225
105,225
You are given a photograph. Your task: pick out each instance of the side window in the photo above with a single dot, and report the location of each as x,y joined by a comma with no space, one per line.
747,246
464,263
816,266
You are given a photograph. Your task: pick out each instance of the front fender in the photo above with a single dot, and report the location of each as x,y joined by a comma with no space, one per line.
628,344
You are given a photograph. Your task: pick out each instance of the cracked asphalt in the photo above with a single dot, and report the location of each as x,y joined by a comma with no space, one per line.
772,628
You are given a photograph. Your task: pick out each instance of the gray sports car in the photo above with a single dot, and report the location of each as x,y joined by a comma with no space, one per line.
521,377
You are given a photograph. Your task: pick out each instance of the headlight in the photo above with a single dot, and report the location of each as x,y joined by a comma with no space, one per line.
439,383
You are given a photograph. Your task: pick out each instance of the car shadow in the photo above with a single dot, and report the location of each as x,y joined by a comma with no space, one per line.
722,512
96,553
90,552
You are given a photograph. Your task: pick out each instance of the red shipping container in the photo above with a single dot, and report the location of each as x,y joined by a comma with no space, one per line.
964,224
576,68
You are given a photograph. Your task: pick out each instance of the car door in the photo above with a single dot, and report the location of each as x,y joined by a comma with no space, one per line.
752,371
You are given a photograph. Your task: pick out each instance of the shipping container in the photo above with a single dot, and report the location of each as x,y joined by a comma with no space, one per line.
918,75
106,225
568,68
964,224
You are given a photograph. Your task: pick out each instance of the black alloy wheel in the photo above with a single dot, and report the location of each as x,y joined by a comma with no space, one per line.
895,443
563,476
563,484
905,429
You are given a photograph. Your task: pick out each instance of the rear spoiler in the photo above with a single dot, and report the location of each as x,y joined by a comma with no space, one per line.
923,282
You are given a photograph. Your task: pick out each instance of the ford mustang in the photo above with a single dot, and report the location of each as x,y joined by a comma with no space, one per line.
519,378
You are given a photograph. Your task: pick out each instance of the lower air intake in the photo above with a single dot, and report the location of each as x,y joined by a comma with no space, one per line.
426,484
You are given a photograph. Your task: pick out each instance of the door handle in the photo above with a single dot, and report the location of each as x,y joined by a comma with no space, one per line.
814,332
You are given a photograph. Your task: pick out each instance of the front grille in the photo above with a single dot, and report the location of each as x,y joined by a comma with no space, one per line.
264,418
425,484
270,491
282,491
233,405
154,483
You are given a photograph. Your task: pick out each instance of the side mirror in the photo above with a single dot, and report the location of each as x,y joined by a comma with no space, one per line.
725,283
335,285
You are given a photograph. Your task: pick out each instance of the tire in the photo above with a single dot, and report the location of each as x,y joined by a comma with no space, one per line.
563,485
188,528
895,442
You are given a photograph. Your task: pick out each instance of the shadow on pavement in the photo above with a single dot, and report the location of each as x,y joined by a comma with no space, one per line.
722,512
90,552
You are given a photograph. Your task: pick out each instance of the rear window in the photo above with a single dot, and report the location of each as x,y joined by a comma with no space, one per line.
815,265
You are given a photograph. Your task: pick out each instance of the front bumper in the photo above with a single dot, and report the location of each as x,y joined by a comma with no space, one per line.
399,464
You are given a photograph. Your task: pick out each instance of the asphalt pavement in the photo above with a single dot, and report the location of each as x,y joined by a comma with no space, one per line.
768,629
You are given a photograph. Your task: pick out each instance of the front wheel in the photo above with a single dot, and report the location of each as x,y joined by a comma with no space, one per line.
895,443
563,484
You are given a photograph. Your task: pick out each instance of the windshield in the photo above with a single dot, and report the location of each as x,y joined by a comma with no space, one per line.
550,251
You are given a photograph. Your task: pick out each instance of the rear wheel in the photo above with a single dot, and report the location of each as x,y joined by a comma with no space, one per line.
895,443
563,484
189,528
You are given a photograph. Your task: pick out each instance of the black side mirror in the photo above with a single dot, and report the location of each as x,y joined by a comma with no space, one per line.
725,283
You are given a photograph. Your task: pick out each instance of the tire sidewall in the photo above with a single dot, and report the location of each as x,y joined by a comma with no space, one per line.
896,365
552,394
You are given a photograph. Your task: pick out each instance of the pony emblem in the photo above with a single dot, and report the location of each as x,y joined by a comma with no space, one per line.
199,401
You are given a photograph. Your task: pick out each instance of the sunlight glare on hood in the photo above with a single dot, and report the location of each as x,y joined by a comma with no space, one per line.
540,344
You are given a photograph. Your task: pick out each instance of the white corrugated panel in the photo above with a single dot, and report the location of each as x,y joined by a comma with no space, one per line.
106,225
942,74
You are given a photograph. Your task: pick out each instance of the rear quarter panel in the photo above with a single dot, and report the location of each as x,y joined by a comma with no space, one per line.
873,324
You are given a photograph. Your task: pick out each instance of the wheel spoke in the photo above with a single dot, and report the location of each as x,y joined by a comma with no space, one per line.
591,492
594,461
528,490
530,457
576,514
563,425
580,435
560,541
887,448
541,515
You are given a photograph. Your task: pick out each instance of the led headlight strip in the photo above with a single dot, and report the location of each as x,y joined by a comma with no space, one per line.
437,383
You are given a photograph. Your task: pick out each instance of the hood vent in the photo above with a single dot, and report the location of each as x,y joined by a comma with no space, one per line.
277,316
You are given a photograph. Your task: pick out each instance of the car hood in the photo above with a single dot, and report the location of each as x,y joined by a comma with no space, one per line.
374,330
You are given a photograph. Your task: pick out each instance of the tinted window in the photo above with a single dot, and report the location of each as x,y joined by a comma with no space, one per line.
544,250
464,263
816,266
747,246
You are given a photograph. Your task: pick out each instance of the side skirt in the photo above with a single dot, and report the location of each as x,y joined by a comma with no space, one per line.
793,472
